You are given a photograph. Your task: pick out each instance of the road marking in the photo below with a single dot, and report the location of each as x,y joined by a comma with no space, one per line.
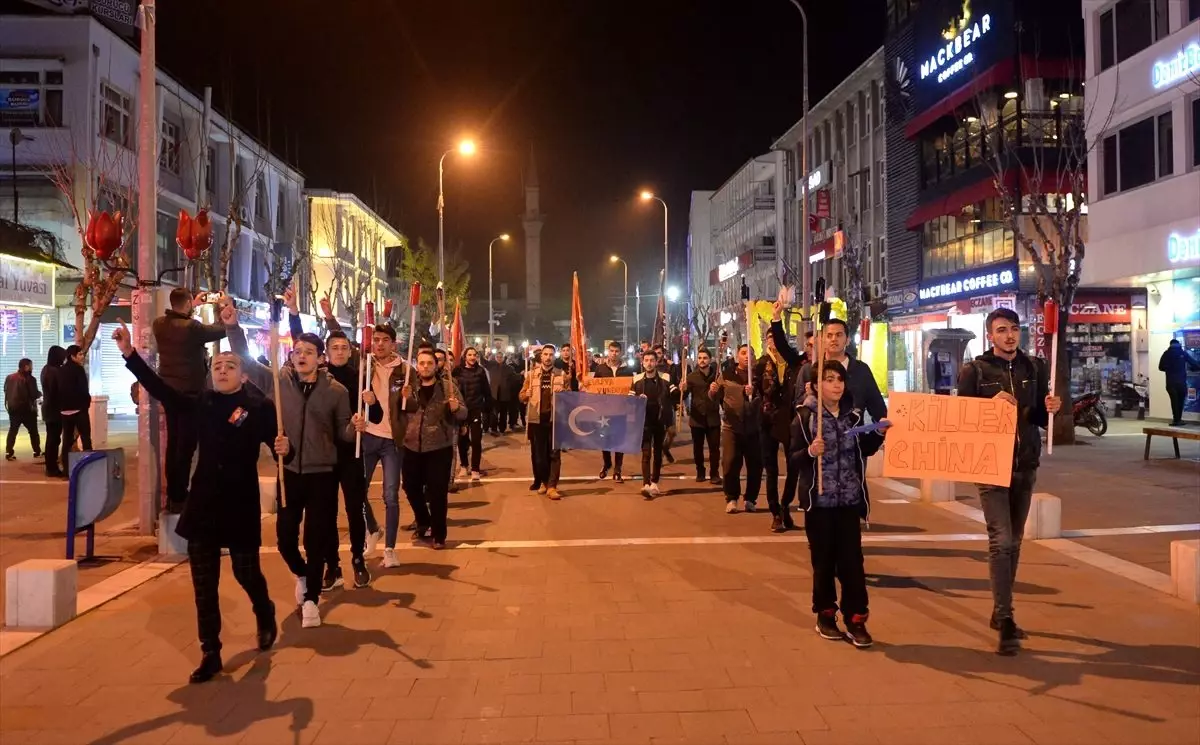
30,483
1148,529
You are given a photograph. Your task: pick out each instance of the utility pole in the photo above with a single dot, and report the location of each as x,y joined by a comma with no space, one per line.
143,297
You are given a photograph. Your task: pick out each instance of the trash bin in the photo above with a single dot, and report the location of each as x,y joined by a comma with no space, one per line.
99,422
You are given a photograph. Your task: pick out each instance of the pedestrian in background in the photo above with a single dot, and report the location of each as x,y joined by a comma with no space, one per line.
55,357
1174,364
21,395
75,403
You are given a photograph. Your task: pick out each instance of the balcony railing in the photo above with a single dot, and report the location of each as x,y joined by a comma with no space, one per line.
977,143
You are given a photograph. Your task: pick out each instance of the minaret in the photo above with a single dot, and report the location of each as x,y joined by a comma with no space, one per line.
533,221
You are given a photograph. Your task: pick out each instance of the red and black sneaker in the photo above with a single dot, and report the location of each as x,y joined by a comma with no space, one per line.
856,631
827,626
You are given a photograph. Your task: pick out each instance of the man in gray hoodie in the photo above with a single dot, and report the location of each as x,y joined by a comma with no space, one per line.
316,412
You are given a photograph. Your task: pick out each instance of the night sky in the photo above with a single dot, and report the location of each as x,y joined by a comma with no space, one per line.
673,95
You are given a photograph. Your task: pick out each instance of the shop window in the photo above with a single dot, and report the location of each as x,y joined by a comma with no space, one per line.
33,98
1108,54
168,148
1166,148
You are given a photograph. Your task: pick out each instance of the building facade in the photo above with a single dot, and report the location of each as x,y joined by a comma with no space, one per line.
70,85
979,92
744,224
1143,80
701,257
845,181
352,249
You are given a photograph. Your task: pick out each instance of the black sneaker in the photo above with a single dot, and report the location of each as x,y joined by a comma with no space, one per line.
618,478
362,577
1020,632
210,665
1009,643
856,632
715,481
333,579
786,517
827,626
535,486
10,456
668,457
777,524
603,473
700,477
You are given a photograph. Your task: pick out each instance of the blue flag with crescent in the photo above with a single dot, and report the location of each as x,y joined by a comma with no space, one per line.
593,421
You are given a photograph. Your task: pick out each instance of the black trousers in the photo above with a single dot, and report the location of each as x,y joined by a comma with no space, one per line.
608,460
770,460
426,478
354,496
311,497
738,448
516,414
75,424
652,451
711,435
53,442
835,544
546,460
472,441
204,557
182,436
28,420
1177,392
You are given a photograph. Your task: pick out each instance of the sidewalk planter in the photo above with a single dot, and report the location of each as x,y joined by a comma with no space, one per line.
99,422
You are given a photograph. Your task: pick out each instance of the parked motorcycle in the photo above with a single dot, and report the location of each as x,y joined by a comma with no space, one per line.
1134,396
1089,413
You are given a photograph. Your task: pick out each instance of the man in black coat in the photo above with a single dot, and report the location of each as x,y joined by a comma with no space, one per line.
180,339
472,381
232,422
21,395
1175,363
612,367
55,357
658,391
704,416
74,404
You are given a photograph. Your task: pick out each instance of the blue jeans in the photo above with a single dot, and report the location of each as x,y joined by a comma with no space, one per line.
376,450
1005,510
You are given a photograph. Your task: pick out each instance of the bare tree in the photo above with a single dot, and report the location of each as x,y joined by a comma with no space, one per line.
854,256
103,181
1038,161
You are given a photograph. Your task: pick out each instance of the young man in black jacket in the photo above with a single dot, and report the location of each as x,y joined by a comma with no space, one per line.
1005,372
233,421
1175,363
55,357
704,416
775,381
612,367
658,391
21,395
472,381
74,404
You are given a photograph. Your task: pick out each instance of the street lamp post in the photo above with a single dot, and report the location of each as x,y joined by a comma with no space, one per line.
637,291
624,304
491,314
646,197
805,266
15,137
466,147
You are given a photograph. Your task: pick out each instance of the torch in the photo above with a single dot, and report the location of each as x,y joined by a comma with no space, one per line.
1050,327
276,308
823,310
365,373
414,302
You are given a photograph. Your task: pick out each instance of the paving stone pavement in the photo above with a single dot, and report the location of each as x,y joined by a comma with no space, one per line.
607,643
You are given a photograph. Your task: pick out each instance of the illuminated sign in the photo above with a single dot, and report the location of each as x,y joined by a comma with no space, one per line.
727,270
954,56
814,179
965,284
1182,248
26,282
1170,71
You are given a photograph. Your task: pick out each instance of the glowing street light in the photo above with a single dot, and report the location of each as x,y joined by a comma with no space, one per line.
647,196
625,302
673,294
465,148
491,315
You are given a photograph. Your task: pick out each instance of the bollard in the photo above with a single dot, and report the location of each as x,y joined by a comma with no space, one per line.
99,417
1045,518
934,490
267,490
1185,570
170,543
40,593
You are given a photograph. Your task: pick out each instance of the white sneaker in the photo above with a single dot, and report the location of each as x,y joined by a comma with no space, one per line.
389,559
476,475
730,507
655,490
372,543
310,617
301,590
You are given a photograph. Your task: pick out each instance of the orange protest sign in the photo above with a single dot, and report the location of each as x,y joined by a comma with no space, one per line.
611,386
952,438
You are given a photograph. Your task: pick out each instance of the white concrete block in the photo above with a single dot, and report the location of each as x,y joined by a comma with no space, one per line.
875,466
1185,569
99,418
1045,518
40,593
266,495
937,491
170,543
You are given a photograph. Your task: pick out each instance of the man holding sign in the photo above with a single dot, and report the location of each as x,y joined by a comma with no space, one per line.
613,368
1006,373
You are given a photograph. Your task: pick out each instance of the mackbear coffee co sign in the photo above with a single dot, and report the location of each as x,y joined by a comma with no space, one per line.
954,53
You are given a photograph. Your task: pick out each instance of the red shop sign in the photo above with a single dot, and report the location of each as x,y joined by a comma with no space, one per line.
1089,308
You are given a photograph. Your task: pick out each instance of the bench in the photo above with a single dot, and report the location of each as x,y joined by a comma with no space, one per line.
1174,433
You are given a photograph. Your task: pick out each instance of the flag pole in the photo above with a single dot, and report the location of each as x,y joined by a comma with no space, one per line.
414,302
275,313
1050,325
